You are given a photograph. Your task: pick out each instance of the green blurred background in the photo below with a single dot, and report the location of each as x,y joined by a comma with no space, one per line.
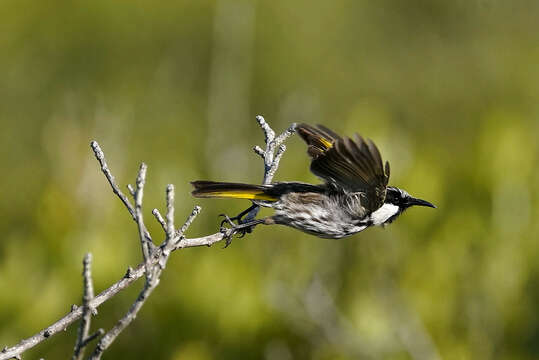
449,90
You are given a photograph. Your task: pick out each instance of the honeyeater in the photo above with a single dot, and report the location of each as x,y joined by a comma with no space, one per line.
353,196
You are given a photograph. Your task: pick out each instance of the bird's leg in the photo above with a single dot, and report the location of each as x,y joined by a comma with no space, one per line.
252,212
239,217
242,228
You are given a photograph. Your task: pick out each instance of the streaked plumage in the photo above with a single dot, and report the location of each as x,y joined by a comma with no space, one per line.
354,194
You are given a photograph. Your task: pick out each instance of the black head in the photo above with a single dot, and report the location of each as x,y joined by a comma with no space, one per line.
403,200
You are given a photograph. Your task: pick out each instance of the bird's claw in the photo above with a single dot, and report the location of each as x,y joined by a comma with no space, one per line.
228,220
234,229
227,235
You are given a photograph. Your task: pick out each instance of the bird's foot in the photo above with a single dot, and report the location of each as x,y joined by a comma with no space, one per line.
228,233
233,229
240,229
227,219
247,214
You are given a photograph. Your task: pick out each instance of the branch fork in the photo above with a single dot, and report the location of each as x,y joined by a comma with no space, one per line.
270,155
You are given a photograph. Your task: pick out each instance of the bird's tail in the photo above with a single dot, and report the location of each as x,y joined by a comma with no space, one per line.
214,189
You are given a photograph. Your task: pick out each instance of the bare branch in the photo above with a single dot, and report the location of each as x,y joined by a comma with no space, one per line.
154,258
170,212
146,245
273,168
87,311
257,149
110,336
159,219
100,156
151,283
190,219
76,311
170,231
270,155
92,337
72,316
269,135
203,241
153,271
268,131
286,134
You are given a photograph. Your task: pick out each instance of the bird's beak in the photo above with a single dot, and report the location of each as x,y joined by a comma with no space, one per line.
419,202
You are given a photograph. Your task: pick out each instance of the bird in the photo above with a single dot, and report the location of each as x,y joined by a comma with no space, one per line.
354,194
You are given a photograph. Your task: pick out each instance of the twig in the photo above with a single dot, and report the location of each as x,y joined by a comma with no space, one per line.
152,273
203,241
273,168
147,246
130,277
270,156
170,213
92,337
100,156
286,134
87,311
151,281
189,220
170,231
110,336
159,219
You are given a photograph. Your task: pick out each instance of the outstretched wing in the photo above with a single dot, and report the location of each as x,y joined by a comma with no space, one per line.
351,165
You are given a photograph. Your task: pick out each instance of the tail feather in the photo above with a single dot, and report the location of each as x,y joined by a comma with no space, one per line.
213,189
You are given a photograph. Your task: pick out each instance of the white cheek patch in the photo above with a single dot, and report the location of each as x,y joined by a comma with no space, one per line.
381,215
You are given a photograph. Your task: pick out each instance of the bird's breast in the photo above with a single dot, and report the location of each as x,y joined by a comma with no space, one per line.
317,214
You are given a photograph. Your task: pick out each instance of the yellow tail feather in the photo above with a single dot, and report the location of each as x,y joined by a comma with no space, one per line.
239,194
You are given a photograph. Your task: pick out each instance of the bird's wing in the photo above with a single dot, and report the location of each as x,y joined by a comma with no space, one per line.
351,165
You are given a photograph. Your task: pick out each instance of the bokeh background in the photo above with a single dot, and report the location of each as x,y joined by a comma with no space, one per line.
449,90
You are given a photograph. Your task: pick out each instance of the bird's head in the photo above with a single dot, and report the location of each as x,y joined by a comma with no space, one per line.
401,201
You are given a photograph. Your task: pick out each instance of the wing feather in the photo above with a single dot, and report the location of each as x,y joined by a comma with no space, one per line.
351,165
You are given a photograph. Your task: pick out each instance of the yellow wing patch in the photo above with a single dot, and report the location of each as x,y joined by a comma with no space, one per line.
328,144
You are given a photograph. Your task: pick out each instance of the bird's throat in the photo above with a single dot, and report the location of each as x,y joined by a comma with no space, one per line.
384,213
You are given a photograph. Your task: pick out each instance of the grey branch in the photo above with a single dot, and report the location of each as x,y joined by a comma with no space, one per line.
87,311
131,190
159,219
189,221
146,245
156,258
92,337
100,156
170,212
153,270
109,337
270,156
